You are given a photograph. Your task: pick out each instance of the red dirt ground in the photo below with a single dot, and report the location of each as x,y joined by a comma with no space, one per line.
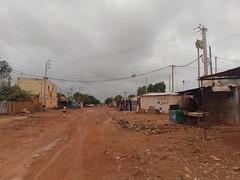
103,143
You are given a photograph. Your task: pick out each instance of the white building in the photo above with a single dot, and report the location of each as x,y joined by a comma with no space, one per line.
156,100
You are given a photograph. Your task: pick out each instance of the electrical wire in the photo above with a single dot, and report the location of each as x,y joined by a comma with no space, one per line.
225,59
151,43
109,80
187,63
17,42
25,74
225,39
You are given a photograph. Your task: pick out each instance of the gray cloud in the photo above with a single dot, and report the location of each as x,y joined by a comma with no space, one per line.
86,39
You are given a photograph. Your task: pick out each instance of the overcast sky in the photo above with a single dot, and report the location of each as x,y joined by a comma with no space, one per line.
98,40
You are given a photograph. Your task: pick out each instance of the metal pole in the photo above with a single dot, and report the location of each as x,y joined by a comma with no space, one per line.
169,83
146,85
172,78
203,109
210,56
215,64
41,97
204,39
198,66
47,66
44,91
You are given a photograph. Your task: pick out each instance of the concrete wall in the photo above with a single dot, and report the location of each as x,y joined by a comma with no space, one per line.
31,106
154,102
223,106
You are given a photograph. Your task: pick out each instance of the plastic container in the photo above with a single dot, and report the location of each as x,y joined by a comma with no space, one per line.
177,116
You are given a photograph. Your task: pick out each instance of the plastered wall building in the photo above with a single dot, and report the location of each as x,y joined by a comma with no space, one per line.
44,90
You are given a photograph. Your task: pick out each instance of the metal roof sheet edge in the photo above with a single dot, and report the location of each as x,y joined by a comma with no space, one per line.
160,94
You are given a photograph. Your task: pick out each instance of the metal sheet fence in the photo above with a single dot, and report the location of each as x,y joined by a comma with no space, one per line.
6,107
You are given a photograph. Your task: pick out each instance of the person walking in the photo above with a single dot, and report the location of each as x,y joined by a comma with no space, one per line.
64,110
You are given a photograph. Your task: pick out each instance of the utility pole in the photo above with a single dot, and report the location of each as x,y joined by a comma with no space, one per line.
146,86
215,64
204,41
169,81
210,59
47,66
125,95
173,66
198,45
71,91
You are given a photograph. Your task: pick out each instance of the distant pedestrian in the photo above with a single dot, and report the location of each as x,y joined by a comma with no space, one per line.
64,110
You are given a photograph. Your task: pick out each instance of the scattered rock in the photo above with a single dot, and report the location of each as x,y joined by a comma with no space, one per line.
186,169
117,157
36,155
237,169
215,158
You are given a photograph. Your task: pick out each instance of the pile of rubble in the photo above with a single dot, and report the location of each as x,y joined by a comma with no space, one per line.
147,128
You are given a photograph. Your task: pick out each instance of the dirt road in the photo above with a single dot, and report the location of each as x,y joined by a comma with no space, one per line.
102,143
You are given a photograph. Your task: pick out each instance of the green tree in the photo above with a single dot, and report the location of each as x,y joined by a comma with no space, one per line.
150,88
131,96
157,87
108,101
85,98
93,100
60,95
13,93
5,69
118,98
141,90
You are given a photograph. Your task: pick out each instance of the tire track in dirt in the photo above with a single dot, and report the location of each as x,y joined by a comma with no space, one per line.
66,160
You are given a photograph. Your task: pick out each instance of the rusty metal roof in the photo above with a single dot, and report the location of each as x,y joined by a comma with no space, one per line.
229,74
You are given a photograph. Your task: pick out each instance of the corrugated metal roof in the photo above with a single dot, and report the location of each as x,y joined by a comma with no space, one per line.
159,94
229,74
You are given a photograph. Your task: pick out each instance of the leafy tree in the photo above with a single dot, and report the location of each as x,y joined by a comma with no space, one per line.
60,95
85,98
157,87
150,88
130,96
108,101
118,98
141,90
93,100
13,93
5,69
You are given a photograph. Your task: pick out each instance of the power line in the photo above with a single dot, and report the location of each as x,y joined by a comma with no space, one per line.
225,39
108,80
25,74
17,40
187,63
151,43
225,59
